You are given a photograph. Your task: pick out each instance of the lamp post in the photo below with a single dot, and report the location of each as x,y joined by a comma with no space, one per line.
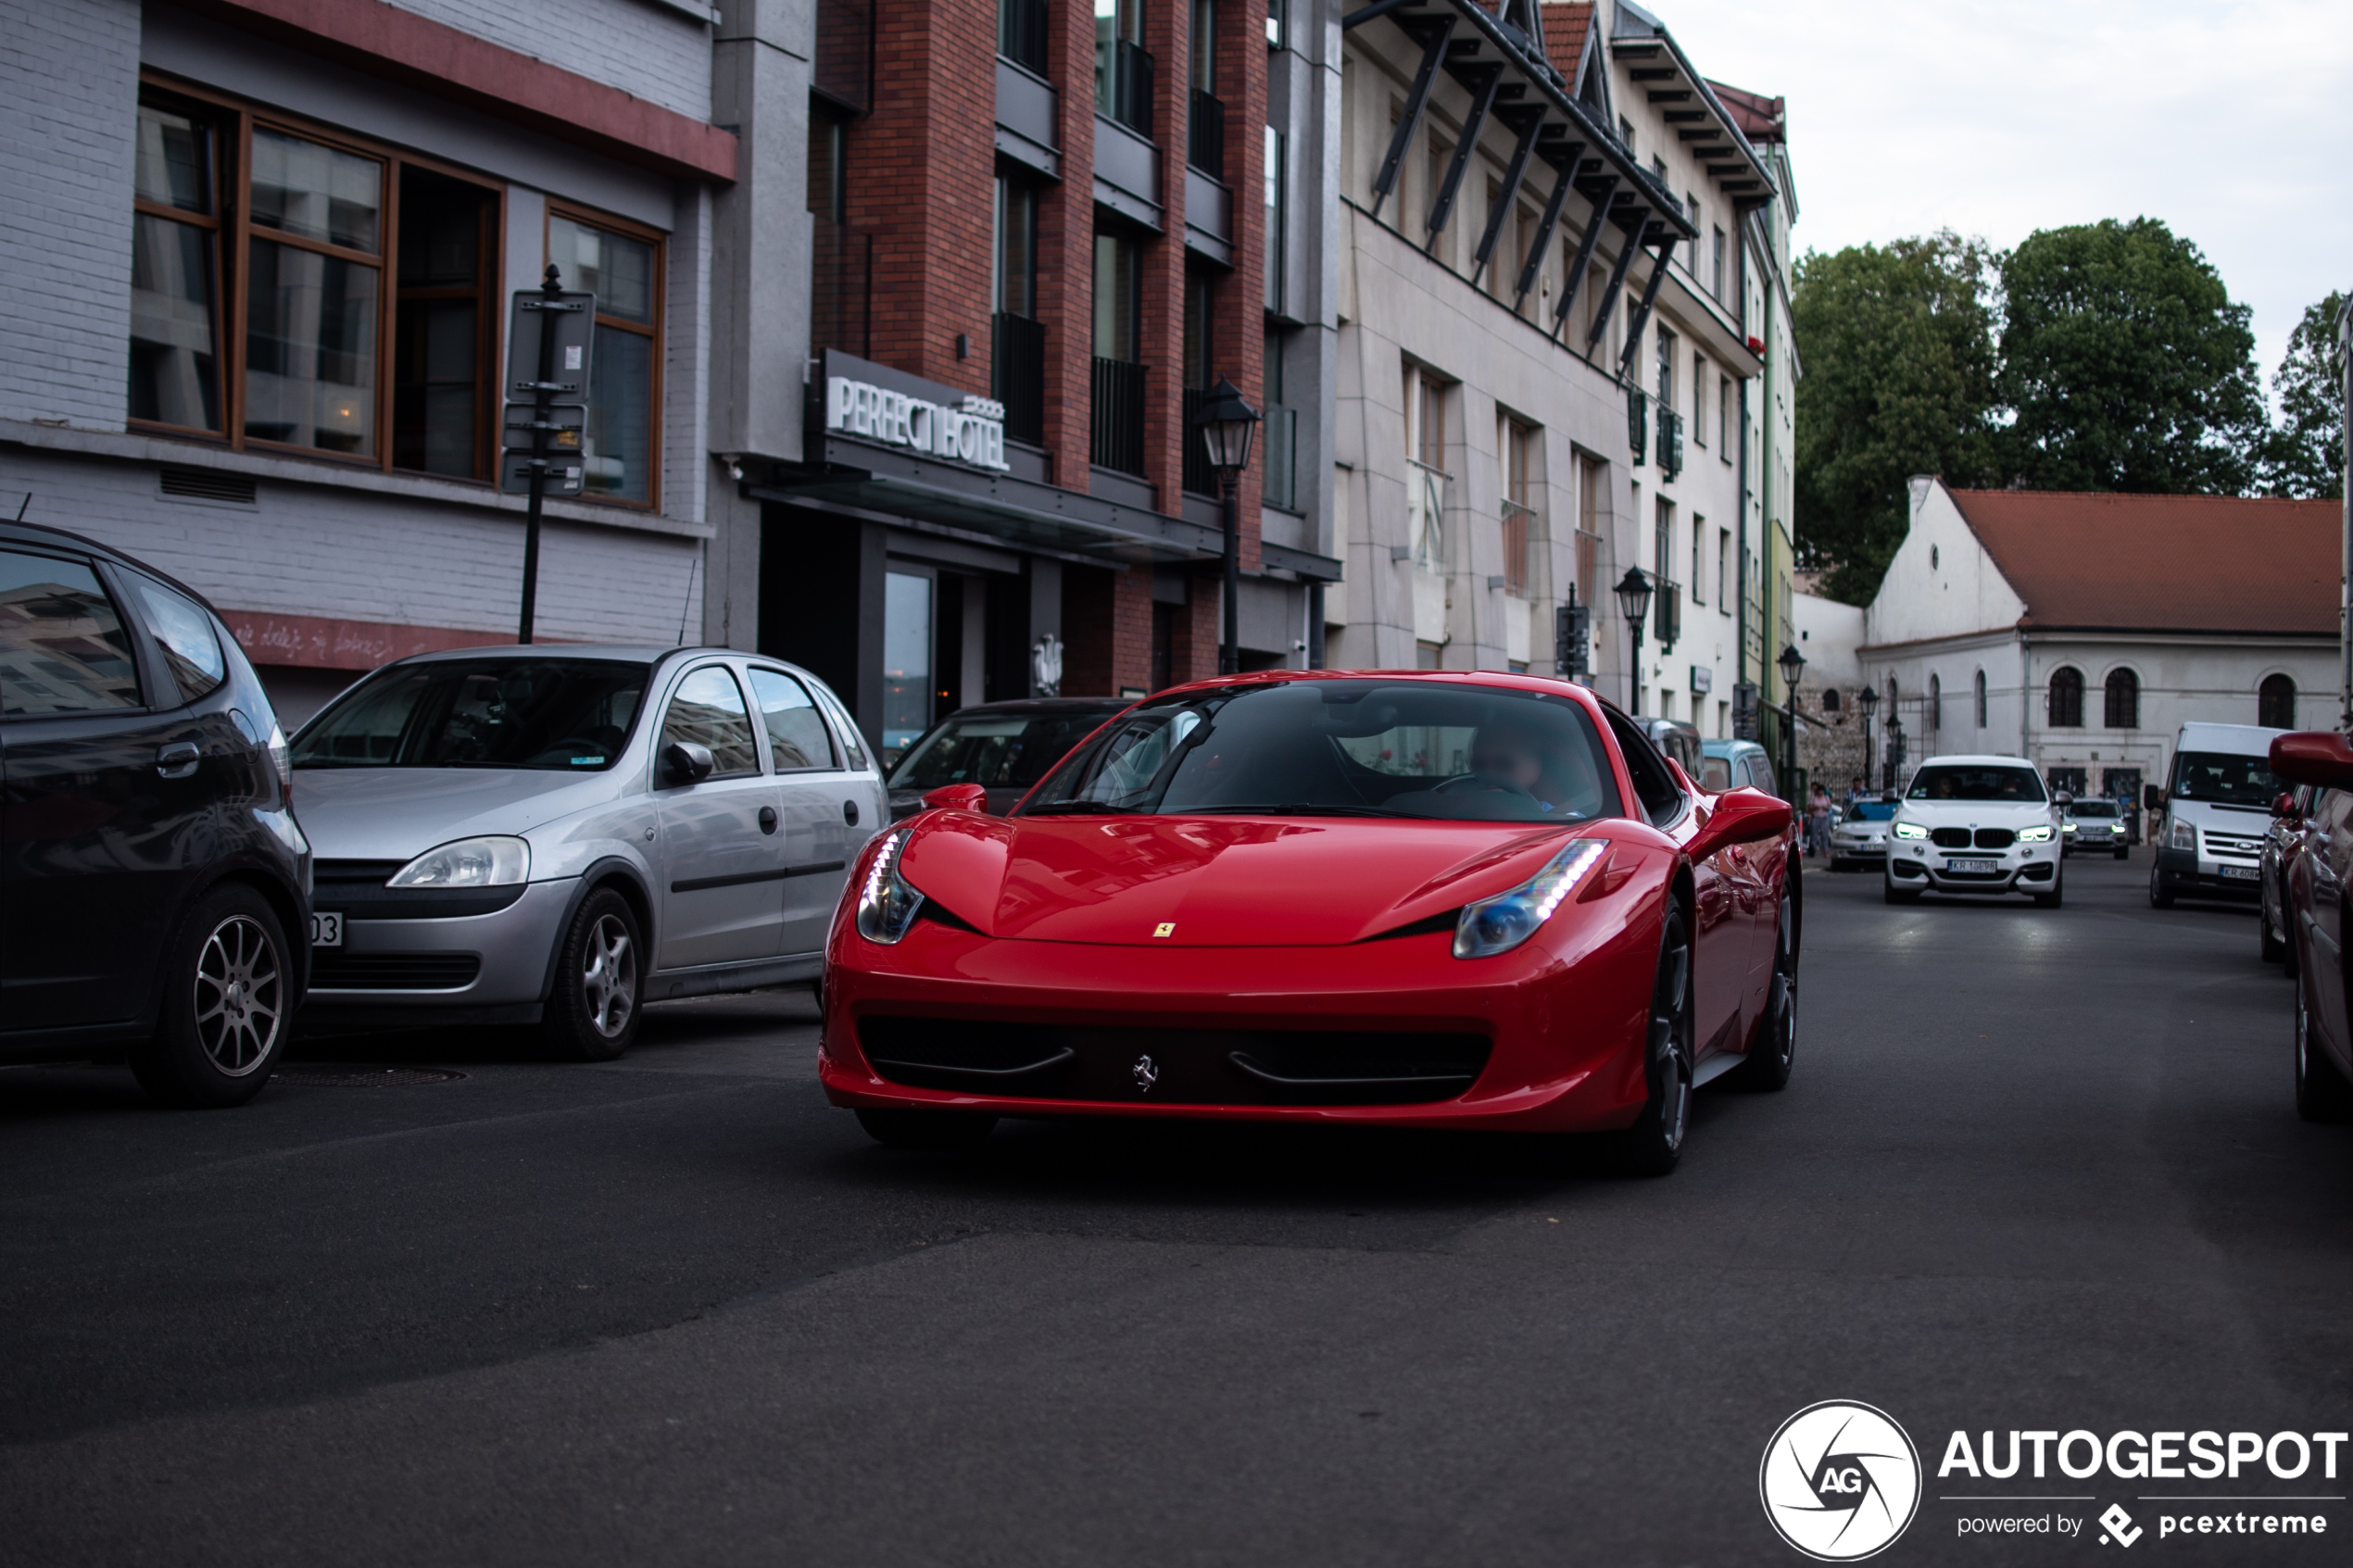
1634,600
1869,699
1793,665
1226,423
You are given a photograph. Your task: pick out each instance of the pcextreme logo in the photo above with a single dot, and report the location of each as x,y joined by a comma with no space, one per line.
1840,1481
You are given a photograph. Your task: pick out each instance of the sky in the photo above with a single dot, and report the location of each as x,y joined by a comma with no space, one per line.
2232,123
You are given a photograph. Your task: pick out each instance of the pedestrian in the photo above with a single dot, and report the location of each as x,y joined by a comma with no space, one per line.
1817,820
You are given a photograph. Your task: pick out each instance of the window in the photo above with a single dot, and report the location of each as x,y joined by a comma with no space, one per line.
906,661
1517,442
1665,371
1625,133
1440,157
1013,261
797,739
183,630
273,335
1699,399
2275,703
1716,270
1725,585
709,711
1934,718
2066,704
1426,467
1275,24
1980,700
1276,188
1724,418
1588,530
2124,701
1205,43
63,648
1830,699
569,715
623,268
1118,297
1699,536
1122,68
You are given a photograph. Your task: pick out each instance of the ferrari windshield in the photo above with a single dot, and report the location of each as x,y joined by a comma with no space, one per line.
570,714
2226,777
1344,747
1964,781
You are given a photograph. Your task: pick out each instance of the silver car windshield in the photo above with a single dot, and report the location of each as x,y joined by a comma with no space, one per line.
570,715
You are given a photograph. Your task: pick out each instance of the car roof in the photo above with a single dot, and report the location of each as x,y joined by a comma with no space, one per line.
42,536
1978,759
1727,747
2242,740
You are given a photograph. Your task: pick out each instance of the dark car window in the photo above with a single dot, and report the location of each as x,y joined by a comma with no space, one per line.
1760,775
1715,774
63,646
797,739
2225,777
184,629
709,709
1966,781
1345,748
2093,809
569,714
1653,785
999,750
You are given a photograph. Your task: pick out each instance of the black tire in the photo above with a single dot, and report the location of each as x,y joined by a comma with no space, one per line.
593,1005
1766,1067
937,1131
2051,901
2266,945
227,1006
1652,1144
1896,895
2160,897
2322,1094
1838,864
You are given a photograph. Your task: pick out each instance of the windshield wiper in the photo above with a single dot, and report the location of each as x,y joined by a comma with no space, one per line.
1298,810
1082,809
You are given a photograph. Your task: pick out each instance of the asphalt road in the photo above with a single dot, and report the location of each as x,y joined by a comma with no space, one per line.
2036,1169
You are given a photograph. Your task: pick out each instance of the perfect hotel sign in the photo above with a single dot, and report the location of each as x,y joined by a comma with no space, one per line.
870,402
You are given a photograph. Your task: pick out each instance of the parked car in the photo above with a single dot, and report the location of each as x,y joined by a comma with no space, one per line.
1735,764
1859,839
154,885
1463,900
2322,763
2091,824
556,834
2218,806
1677,740
1003,747
2290,831
1975,824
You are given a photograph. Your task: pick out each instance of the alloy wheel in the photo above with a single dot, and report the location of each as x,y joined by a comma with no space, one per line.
239,996
1669,1054
608,976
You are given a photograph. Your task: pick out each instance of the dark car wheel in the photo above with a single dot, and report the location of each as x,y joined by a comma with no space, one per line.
936,1130
2268,943
1767,1064
1896,895
2322,1094
2123,852
592,1013
1652,1145
2160,897
228,1000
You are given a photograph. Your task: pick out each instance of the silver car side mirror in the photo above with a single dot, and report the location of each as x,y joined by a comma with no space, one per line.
686,762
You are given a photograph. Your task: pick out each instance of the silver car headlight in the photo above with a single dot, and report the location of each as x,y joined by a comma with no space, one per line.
2035,836
495,861
2181,834
1498,924
887,901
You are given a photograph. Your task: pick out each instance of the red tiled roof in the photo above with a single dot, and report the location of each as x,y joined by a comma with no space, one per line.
1760,119
2192,563
1565,30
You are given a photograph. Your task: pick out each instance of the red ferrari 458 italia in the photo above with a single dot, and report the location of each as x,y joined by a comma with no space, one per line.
1426,899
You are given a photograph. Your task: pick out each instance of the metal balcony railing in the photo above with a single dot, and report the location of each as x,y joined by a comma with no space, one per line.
841,273
1125,86
1280,433
1518,533
1205,135
1021,32
1670,443
1118,416
1637,423
1017,375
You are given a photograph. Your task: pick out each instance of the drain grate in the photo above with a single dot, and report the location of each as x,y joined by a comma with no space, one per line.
329,1075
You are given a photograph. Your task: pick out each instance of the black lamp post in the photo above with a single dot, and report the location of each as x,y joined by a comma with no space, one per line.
1869,697
1226,423
1793,665
1634,600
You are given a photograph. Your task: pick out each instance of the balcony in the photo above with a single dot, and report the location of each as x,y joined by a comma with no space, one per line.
1205,135
1670,444
841,275
1637,423
1017,375
1021,32
1118,442
1123,86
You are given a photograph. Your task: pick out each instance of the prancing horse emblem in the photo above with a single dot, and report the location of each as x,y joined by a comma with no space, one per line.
1146,1075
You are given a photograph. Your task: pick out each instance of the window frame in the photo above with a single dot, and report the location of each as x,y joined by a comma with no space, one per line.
234,120
656,300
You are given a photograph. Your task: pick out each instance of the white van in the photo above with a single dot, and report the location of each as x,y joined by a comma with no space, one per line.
2218,807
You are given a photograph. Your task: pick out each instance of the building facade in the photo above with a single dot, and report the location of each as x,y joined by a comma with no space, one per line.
261,253
2082,630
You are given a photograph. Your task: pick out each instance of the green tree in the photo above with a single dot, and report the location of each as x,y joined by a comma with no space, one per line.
1898,343
2306,456
2127,365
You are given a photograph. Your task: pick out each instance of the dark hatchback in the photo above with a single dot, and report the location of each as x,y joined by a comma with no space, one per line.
154,885
1003,747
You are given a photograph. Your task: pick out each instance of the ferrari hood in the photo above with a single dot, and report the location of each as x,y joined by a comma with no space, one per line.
1203,882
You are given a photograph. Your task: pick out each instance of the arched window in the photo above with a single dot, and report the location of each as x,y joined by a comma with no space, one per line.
1980,700
1830,699
2123,701
2067,698
1935,714
2275,703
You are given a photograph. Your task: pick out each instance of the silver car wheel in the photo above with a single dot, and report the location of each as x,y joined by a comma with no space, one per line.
239,996
608,976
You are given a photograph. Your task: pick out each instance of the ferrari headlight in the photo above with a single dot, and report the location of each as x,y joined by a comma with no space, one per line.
2036,835
1910,830
2182,834
1498,924
887,901
469,862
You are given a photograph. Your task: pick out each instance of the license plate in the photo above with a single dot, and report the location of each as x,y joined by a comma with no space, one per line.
2242,873
1972,865
326,930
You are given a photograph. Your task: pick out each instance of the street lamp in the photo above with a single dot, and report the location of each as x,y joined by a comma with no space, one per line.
1793,665
1226,423
1869,697
1634,598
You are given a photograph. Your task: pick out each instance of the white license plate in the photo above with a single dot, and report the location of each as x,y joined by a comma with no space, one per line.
1972,865
326,930
2242,873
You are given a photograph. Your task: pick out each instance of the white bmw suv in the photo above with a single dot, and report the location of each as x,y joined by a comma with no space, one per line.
1976,825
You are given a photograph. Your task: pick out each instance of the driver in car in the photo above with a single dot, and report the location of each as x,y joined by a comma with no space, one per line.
1511,756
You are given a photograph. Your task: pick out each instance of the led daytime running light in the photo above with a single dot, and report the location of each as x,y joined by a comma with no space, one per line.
1910,830
1498,924
2035,836
886,902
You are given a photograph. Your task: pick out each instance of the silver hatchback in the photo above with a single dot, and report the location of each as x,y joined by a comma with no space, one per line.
555,835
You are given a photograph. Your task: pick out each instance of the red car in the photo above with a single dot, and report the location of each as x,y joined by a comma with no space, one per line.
1426,899
2317,932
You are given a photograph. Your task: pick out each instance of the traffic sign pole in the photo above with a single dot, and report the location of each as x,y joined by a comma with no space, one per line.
559,321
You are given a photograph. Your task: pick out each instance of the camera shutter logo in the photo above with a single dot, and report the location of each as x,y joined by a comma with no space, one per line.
1840,1481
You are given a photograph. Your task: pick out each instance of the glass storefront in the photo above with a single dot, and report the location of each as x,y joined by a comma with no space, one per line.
906,660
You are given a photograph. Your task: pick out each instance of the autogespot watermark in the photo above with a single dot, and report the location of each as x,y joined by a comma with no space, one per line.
1841,1481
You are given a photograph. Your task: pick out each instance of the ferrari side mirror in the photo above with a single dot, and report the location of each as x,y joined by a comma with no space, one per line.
1742,816
2314,757
958,797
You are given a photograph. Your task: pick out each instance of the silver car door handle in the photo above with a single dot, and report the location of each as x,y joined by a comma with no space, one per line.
178,760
